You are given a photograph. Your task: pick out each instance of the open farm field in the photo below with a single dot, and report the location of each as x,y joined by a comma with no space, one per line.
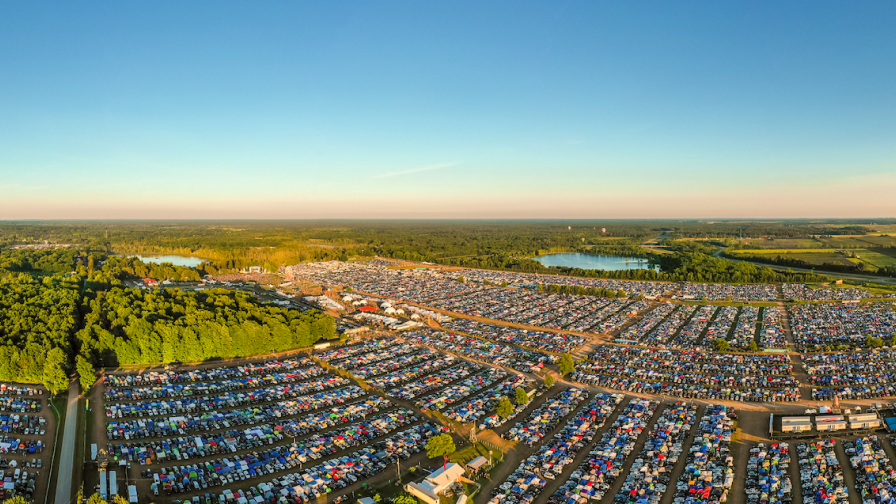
879,241
876,258
784,251
784,243
860,241
809,257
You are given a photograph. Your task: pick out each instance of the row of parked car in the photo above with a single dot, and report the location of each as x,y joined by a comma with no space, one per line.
470,385
320,478
821,475
428,383
687,391
29,425
875,477
20,404
694,362
411,373
205,374
393,363
223,400
227,419
544,418
514,357
377,353
682,377
17,483
595,476
768,477
651,472
530,478
20,446
211,387
709,471
486,402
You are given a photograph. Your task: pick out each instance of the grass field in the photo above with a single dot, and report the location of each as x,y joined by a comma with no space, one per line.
785,251
878,259
860,241
784,243
816,256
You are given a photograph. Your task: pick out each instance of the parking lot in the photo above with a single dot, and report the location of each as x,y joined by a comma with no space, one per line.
27,429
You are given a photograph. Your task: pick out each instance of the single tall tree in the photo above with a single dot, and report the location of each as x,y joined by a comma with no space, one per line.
505,409
567,365
86,373
440,446
54,377
521,396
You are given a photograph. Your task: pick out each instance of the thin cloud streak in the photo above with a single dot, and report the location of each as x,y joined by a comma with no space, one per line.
414,170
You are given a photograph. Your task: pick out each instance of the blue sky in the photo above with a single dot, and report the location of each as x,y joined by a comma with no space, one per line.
575,109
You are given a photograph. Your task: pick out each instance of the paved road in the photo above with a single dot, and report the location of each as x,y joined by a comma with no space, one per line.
67,454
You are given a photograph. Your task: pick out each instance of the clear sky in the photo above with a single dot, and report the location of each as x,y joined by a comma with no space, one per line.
379,109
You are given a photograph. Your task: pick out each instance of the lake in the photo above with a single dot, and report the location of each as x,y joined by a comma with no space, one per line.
596,262
176,260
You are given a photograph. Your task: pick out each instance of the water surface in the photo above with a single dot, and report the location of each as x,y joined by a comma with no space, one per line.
596,262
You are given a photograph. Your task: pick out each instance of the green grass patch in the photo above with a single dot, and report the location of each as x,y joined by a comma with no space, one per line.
783,243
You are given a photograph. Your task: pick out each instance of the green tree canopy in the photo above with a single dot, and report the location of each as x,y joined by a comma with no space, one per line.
54,377
566,365
86,373
505,408
440,446
549,381
521,396
719,345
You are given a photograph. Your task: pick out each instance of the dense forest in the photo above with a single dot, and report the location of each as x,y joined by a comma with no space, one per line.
56,305
35,317
134,326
